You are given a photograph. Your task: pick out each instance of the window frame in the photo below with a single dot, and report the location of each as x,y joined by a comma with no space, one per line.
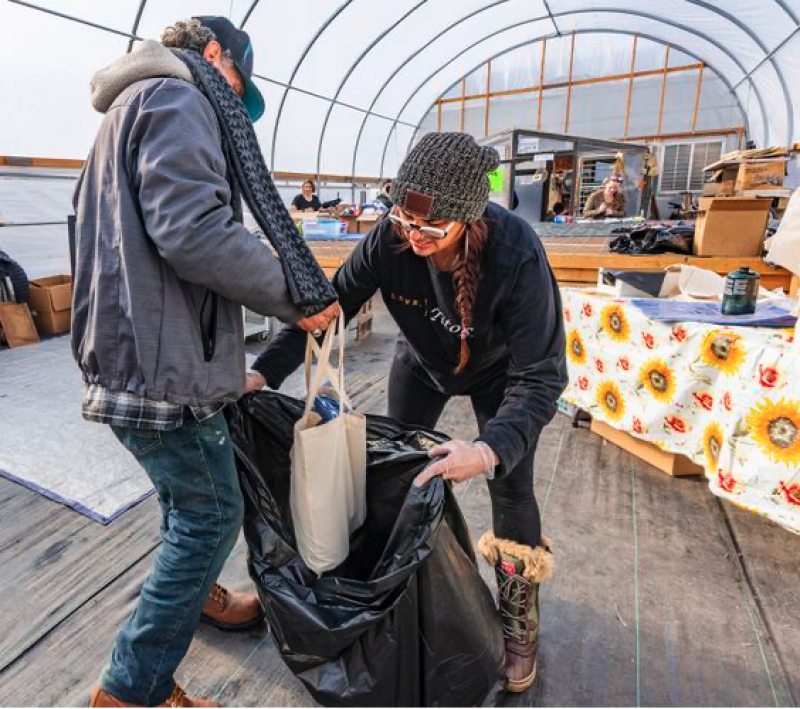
693,145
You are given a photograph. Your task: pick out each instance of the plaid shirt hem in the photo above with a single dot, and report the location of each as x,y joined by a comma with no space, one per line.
119,408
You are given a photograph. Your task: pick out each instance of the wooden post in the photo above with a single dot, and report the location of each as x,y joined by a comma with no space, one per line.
575,82
569,86
541,84
630,86
697,97
439,115
488,97
663,90
714,132
575,206
464,104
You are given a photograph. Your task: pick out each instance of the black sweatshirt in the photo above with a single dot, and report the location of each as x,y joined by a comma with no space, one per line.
517,332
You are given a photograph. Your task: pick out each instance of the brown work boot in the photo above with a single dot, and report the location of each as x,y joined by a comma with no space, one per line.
178,698
231,610
519,570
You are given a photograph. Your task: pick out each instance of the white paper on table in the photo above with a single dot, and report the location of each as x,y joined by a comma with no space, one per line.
695,283
700,284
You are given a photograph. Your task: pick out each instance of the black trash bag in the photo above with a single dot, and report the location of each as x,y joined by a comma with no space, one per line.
628,239
10,269
406,619
653,239
677,239
622,244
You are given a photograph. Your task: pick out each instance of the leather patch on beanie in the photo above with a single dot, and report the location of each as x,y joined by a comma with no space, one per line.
418,202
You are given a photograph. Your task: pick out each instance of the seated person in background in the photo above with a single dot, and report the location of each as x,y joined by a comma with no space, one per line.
306,201
608,201
383,196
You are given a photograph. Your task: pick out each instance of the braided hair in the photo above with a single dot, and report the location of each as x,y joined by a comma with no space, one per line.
466,277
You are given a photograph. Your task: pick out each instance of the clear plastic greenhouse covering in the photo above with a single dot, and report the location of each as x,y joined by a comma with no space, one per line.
348,82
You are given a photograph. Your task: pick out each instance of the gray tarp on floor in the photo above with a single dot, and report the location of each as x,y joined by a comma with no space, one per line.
46,445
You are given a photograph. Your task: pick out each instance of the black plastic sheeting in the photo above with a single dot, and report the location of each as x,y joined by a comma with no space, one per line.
10,269
653,239
406,619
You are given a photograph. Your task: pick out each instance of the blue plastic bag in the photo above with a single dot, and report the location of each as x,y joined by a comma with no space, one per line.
327,407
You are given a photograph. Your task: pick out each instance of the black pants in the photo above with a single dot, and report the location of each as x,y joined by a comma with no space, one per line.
515,514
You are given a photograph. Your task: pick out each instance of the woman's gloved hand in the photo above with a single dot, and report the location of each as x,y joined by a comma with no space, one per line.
459,461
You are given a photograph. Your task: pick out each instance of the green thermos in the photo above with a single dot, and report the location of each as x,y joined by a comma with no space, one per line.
741,292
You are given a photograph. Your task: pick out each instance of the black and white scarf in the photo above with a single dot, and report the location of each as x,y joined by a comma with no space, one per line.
308,286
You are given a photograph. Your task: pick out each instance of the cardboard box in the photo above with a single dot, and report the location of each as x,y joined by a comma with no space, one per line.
365,223
732,180
756,175
731,226
727,181
721,182
670,463
51,304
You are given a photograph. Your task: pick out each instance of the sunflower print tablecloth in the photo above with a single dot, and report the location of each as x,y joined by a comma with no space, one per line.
728,398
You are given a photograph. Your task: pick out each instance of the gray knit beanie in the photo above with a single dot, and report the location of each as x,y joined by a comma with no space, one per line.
445,177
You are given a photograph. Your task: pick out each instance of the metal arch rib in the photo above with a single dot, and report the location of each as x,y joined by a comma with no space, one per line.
552,18
720,47
350,71
740,25
581,11
403,64
297,66
777,48
72,18
442,67
768,56
593,30
781,3
247,14
136,21
314,94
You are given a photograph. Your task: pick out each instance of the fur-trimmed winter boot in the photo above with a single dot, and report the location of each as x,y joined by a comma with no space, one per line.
519,569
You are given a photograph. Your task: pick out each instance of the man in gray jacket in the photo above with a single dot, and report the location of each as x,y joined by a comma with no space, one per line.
163,266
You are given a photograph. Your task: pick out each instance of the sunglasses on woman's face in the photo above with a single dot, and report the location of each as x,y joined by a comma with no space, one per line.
429,232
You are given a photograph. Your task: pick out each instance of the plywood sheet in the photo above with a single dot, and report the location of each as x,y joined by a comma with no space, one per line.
17,324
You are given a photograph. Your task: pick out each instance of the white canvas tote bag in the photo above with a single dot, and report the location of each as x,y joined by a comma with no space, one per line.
329,466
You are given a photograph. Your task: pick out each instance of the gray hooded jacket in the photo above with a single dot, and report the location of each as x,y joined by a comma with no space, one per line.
156,237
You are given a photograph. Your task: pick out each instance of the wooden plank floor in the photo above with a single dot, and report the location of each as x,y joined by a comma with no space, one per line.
662,594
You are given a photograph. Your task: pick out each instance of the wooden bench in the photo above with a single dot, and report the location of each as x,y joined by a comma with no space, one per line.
579,264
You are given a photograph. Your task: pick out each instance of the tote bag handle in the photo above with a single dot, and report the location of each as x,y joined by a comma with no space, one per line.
324,367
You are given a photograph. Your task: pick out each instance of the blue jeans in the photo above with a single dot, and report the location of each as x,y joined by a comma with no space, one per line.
193,471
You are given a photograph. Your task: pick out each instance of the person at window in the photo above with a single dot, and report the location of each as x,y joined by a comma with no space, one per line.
478,308
608,201
307,200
